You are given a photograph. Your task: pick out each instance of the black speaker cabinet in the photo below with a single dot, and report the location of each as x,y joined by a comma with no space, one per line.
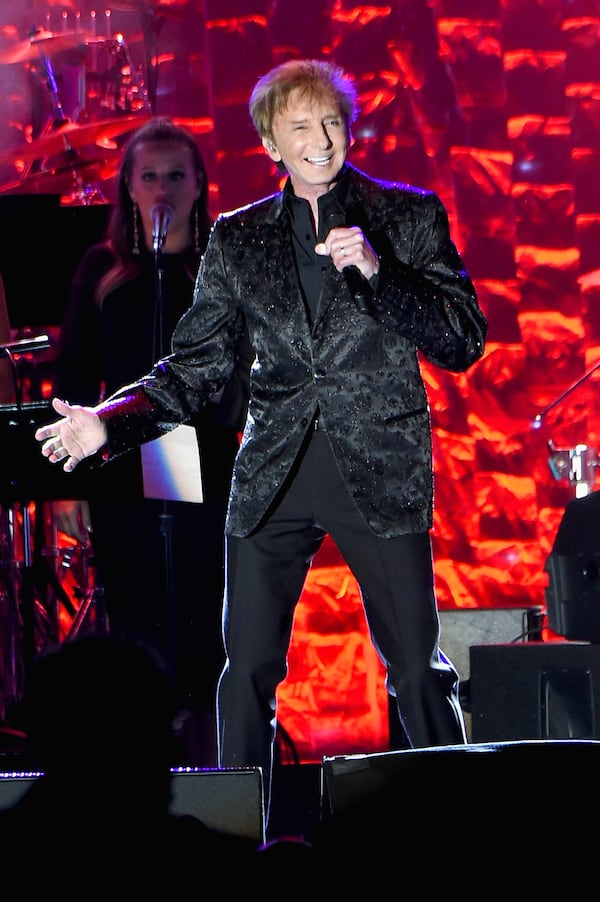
463,803
387,802
405,781
463,627
228,799
535,690
573,595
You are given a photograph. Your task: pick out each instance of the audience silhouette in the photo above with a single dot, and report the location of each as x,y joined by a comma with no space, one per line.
98,714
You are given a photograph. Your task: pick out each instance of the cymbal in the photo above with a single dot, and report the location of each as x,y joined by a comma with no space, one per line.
71,135
59,180
198,126
45,42
148,9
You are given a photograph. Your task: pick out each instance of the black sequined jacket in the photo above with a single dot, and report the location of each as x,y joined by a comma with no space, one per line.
361,371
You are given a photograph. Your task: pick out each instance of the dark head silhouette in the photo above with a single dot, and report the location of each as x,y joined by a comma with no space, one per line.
99,718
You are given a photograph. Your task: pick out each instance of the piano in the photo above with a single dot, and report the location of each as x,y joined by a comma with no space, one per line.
41,243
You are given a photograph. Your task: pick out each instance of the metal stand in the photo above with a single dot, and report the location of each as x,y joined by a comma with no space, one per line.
575,464
33,597
34,593
82,192
166,517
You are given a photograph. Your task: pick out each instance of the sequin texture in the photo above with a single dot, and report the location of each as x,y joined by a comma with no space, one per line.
360,371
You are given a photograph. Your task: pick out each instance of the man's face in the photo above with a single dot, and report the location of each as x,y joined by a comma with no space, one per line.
311,139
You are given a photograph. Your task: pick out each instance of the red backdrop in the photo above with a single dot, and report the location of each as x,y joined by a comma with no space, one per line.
495,104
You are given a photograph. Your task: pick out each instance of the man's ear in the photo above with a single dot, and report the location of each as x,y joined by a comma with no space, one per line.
270,147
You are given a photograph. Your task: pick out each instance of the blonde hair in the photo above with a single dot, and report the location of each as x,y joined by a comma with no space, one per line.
315,79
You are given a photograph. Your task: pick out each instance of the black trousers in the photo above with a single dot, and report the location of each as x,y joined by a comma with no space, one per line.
264,580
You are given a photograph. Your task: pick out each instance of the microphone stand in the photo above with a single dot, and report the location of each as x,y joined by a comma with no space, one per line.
166,517
24,346
575,460
540,416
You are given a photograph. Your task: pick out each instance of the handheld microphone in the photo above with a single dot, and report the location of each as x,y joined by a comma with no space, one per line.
161,217
357,284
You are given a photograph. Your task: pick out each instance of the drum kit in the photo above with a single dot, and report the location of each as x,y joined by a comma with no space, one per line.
47,589
72,155
48,593
70,159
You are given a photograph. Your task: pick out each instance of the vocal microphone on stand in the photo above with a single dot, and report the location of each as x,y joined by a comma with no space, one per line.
161,218
358,284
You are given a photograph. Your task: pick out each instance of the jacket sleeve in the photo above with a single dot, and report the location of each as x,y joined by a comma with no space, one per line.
424,291
205,349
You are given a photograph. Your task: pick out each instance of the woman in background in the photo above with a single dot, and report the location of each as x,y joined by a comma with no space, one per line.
125,299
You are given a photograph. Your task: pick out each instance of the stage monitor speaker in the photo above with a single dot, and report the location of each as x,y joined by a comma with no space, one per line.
13,785
227,799
538,690
460,781
462,627
463,803
573,595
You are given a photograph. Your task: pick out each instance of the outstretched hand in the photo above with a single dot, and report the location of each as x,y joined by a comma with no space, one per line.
79,434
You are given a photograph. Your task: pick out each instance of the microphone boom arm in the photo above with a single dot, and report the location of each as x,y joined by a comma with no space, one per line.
576,464
540,416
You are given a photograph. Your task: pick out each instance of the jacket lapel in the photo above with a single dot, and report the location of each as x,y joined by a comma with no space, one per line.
280,268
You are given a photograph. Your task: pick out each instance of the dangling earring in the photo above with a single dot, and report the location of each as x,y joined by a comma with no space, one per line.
136,231
196,229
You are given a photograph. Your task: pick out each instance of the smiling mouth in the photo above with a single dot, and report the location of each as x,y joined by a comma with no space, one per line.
319,161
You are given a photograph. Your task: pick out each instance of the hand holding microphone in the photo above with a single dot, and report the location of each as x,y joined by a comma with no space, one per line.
351,254
161,218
